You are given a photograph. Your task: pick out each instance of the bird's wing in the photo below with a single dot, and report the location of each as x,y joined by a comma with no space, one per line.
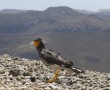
51,57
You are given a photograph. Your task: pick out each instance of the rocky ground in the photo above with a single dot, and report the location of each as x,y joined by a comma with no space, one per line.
24,74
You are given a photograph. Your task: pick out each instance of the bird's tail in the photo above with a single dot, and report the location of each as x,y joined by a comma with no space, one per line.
78,70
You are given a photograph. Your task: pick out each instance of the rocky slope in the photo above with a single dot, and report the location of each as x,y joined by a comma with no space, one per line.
24,74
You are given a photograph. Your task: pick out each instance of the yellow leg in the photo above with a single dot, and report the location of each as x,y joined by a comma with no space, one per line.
56,74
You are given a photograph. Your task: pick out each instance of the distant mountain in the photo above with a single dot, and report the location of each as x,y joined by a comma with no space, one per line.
104,13
104,10
12,11
53,19
100,11
85,11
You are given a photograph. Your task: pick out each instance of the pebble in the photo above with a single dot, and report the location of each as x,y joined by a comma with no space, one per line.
2,70
25,74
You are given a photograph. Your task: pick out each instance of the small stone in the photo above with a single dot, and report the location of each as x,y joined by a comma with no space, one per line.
52,86
14,72
30,70
47,88
102,86
70,83
11,78
23,82
106,89
2,88
16,58
26,73
2,70
33,79
58,82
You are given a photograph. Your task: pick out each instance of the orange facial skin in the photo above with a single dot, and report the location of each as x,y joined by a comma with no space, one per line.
36,43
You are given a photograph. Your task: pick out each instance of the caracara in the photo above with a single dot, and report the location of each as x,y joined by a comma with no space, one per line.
50,57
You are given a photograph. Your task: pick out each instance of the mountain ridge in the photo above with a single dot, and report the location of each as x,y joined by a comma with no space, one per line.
12,11
52,19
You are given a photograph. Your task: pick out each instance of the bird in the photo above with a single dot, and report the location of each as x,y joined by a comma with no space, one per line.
49,57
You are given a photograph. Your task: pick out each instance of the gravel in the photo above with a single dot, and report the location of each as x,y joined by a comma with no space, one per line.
25,74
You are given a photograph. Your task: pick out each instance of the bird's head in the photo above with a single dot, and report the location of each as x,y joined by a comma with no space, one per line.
38,43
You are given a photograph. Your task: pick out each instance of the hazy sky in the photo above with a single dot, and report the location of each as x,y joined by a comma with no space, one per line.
92,5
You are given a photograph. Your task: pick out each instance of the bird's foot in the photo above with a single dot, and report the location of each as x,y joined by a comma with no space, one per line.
56,74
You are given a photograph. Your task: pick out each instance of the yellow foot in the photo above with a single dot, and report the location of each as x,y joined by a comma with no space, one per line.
56,74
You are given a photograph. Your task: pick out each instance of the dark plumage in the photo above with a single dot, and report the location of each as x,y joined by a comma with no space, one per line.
50,56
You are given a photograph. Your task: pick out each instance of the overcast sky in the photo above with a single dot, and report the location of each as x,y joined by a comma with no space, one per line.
92,5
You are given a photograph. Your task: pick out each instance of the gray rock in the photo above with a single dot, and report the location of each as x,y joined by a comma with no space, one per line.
14,72
2,70
33,79
24,74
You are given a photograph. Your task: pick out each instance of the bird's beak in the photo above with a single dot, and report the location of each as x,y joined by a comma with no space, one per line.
32,43
35,43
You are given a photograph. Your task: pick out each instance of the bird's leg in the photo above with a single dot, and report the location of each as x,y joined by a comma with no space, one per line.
56,74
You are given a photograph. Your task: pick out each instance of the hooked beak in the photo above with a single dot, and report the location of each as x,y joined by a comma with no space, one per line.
32,44
36,43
